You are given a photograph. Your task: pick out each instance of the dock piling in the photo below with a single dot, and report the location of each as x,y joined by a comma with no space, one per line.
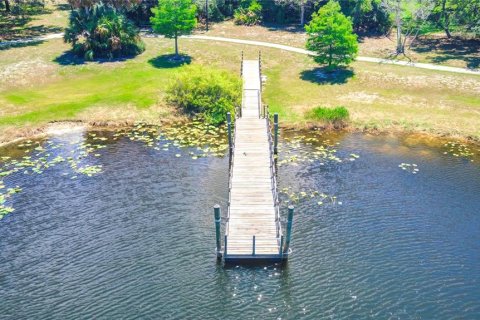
289,229
218,220
281,246
225,246
253,246
275,128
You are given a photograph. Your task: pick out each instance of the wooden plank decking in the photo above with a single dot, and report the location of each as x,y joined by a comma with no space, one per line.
252,210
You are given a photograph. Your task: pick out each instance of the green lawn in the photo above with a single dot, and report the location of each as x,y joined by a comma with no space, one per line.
135,83
377,96
35,89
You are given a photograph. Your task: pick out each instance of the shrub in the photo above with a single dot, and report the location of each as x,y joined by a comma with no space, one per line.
206,91
250,15
334,115
102,32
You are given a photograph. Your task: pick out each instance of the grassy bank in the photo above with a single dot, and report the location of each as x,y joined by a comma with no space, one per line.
378,97
42,83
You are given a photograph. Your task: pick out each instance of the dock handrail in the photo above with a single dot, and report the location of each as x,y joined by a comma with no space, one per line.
273,179
260,68
230,178
241,66
261,84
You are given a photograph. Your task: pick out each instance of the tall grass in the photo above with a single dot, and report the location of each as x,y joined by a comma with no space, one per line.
334,115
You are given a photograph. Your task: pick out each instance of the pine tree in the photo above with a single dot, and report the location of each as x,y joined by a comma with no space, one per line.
330,35
173,18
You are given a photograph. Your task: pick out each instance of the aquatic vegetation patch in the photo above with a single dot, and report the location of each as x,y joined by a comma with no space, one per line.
409,167
195,139
457,149
306,149
292,151
42,155
294,197
89,170
202,138
310,148
4,209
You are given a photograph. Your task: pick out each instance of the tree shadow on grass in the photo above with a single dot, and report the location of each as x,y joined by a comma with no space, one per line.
20,44
292,28
15,26
63,7
446,49
68,58
324,76
170,61
12,33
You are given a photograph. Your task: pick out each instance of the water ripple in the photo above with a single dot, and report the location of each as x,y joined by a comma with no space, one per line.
137,241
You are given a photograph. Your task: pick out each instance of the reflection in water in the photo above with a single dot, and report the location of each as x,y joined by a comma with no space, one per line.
137,240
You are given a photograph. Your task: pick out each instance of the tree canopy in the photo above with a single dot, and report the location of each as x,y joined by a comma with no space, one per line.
102,32
330,35
173,18
117,4
408,18
464,15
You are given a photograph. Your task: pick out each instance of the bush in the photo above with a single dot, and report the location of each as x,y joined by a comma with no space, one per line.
249,16
102,32
333,115
206,91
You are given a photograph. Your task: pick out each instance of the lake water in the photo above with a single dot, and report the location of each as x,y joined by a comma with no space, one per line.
385,227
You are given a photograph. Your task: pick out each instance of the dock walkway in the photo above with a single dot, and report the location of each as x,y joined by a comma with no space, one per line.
253,230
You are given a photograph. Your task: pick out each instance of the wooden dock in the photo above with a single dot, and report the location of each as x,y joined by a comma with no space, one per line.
253,230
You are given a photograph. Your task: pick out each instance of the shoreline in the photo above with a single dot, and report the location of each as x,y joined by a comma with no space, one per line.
68,126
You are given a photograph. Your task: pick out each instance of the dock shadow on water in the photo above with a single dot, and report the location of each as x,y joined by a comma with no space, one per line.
130,233
325,76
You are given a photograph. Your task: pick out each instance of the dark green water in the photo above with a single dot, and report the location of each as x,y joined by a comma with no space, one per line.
137,240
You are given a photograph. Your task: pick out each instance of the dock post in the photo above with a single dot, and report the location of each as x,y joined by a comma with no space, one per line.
280,251
218,220
229,125
289,229
225,246
253,248
275,128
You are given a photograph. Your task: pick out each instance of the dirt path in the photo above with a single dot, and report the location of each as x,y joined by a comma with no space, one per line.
365,59
278,46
